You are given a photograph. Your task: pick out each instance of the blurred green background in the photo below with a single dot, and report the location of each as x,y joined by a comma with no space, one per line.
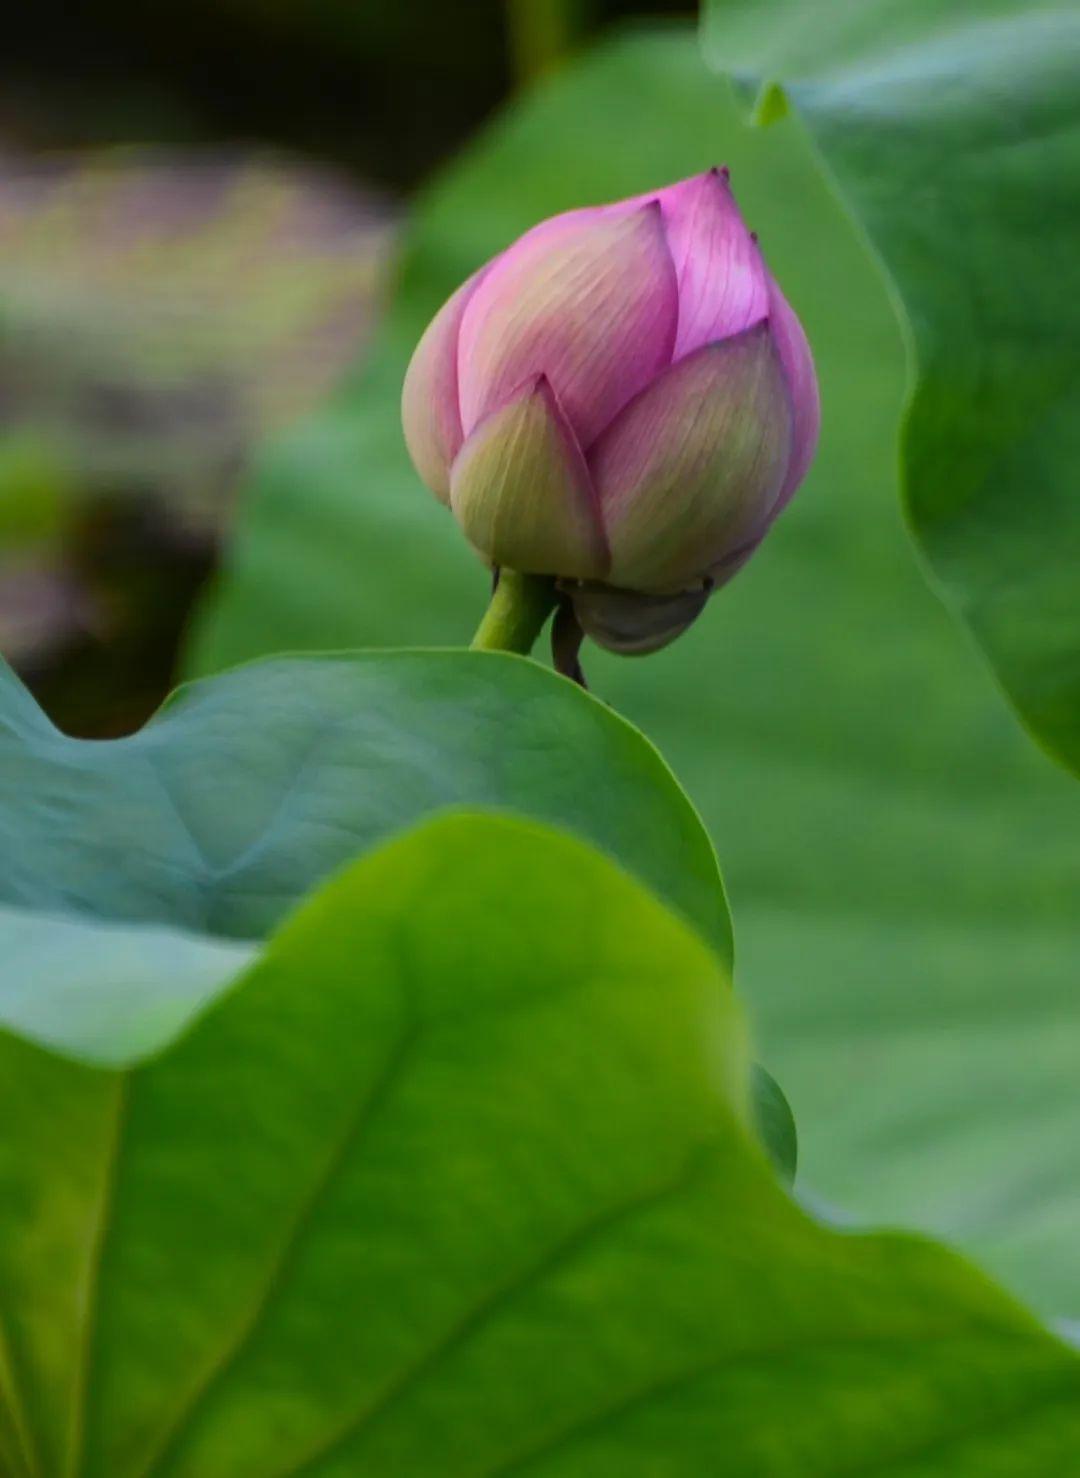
206,210
197,219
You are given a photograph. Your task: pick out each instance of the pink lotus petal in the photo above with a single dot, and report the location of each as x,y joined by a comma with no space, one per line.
521,490
723,284
687,469
589,300
429,397
798,365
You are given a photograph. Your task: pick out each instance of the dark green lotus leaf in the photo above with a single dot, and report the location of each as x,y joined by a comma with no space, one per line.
248,788
952,131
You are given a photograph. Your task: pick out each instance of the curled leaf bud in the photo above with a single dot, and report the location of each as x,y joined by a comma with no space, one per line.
624,400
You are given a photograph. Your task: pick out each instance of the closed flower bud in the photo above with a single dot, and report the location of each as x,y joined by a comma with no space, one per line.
624,400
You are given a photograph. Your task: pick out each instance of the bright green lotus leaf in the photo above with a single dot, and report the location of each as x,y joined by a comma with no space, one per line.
903,863
952,131
457,1181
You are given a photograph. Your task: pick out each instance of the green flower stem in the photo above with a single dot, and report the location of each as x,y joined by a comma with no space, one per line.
541,34
520,604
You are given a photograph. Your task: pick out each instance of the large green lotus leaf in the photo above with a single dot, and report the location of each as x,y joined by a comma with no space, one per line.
903,862
134,866
457,1181
952,130
141,872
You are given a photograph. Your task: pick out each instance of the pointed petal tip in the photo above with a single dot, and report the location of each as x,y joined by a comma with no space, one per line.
761,328
541,386
723,282
521,490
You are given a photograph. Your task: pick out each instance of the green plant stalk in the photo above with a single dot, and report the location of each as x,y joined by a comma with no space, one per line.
541,34
520,604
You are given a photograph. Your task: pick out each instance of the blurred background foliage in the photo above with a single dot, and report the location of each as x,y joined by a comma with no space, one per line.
197,213
160,315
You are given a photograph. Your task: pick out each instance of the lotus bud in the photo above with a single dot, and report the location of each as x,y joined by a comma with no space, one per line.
623,400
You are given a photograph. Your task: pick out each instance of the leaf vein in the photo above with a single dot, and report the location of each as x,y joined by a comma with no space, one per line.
99,1236
290,1246
612,1414
473,1318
